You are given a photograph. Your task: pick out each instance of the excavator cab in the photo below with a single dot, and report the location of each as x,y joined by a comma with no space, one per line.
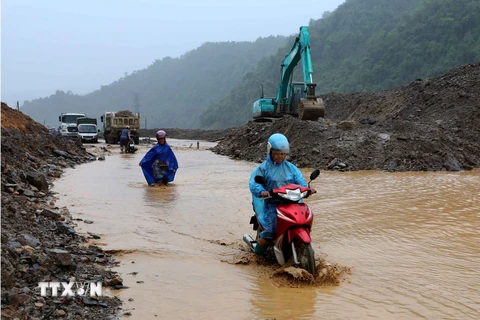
297,92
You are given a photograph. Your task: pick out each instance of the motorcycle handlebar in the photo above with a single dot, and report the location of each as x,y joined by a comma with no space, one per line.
310,193
275,195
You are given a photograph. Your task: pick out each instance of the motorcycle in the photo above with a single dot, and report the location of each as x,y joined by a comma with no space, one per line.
130,147
294,223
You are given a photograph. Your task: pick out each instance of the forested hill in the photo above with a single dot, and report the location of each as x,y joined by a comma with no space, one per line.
172,92
364,45
367,46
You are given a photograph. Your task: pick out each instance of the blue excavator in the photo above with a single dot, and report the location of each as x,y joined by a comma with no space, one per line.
296,99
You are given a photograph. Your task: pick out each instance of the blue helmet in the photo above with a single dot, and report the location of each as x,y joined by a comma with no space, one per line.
279,142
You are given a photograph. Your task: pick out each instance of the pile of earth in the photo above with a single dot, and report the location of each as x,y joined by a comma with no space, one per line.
428,125
124,113
39,241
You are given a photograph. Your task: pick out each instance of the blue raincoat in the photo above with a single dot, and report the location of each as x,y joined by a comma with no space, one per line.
158,163
277,175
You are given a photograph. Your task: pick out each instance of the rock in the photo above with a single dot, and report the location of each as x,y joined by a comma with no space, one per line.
38,180
369,121
333,163
62,257
64,228
62,163
61,153
346,125
14,244
16,299
452,164
384,136
50,214
115,281
31,240
11,185
392,165
53,167
8,272
28,193
61,313
89,302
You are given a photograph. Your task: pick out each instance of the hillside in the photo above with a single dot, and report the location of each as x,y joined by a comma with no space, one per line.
362,46
171,92
366,46
427,125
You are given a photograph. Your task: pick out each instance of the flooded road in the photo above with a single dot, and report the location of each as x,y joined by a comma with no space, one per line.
411,239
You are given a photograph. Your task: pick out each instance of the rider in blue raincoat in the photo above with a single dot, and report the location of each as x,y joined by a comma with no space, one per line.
160,163
278,172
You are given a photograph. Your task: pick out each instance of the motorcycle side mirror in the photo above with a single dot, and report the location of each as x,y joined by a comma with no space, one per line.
260,180
314,175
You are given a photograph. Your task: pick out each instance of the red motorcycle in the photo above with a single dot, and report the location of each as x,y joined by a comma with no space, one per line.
294,223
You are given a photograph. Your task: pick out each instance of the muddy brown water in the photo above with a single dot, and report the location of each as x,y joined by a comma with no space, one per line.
412,240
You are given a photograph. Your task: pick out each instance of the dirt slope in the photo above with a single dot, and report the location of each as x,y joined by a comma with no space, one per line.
428,125
39,241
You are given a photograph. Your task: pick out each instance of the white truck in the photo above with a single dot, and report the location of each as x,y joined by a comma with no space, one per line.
87,129
68,124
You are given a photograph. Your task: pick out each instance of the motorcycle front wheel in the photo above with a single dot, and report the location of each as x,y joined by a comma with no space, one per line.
306,257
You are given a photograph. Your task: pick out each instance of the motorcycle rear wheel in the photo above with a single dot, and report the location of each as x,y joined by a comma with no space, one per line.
306,257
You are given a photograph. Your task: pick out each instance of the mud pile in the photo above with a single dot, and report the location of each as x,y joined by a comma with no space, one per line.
428,125
39,241
124,113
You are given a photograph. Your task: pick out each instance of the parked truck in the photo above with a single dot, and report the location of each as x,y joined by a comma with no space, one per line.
87,129
115,121
68,124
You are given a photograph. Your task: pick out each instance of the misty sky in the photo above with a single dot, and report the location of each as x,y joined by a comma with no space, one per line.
79,45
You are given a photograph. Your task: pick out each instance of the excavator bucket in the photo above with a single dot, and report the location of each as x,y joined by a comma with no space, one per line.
311,109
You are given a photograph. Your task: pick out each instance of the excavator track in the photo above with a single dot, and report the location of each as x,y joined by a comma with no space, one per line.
311,109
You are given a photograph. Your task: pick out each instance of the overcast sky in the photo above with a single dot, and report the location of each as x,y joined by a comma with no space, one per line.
79,45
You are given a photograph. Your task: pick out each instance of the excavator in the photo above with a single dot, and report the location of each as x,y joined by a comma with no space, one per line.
297,99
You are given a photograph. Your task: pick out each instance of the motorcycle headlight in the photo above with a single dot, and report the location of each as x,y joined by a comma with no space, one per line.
293,195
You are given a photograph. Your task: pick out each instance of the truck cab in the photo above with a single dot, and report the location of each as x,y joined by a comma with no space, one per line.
68,124
87,129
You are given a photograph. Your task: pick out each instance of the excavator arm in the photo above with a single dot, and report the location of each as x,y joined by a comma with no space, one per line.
300,50
309,107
